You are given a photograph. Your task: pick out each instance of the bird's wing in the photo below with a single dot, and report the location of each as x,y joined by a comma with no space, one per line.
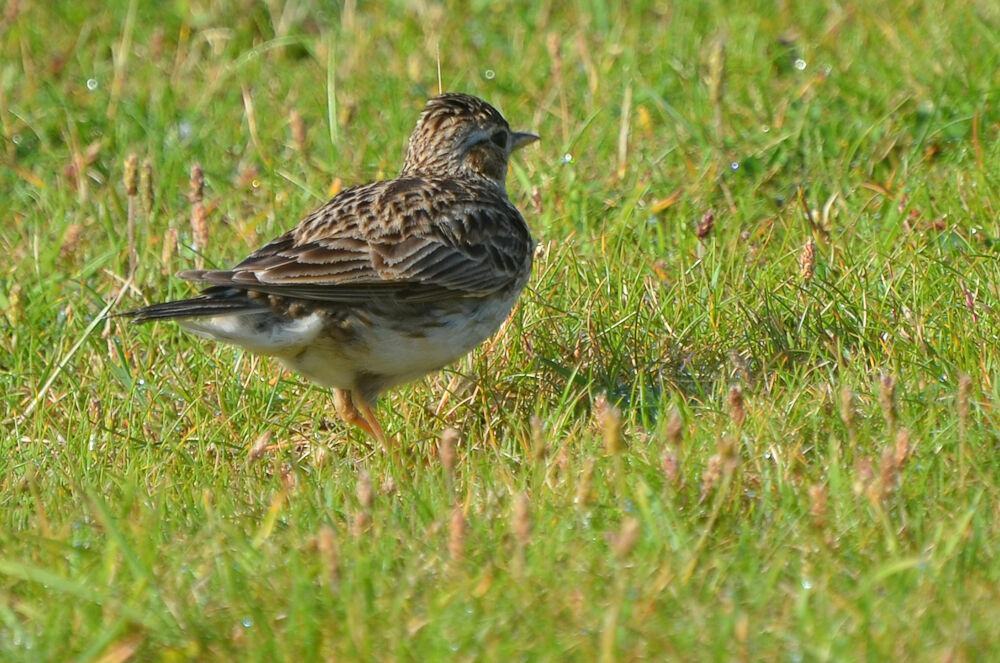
416,239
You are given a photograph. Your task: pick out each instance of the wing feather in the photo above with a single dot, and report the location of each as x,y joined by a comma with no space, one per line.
416,239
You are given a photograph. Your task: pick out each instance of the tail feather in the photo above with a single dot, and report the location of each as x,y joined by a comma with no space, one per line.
212,302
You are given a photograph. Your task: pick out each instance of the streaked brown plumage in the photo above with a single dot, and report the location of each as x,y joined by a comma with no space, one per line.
387,281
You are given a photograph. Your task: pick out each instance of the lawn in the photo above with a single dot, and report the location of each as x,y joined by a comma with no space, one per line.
746,409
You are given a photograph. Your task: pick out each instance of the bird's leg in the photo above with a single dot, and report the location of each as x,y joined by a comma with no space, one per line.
358,413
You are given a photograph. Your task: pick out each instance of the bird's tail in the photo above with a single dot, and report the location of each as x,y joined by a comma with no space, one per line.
212,302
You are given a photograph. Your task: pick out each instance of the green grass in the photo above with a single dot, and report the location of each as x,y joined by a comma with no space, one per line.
144,520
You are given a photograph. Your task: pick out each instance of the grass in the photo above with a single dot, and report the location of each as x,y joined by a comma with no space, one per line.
795,459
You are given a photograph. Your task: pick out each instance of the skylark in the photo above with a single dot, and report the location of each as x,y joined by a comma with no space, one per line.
387,281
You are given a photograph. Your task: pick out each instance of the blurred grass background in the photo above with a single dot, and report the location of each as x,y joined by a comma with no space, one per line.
746,409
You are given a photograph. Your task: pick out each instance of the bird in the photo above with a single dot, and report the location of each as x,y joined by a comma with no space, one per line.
387,281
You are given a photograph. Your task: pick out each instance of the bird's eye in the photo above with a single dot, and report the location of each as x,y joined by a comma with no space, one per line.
500,139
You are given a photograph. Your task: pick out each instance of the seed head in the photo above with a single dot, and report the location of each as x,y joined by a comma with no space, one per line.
326,542
146,186
169,245
456,533
671,465
197,184
711,476
521,523
585,484
675,428
807,260
609,420
706,224
964,393
887,400
538,449
737,409
446,451
903,447
847,409
366,494
199,227
131,175
817,503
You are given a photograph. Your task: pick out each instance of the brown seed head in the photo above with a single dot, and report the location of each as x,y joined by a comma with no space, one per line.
864,475
964,397
585,484
197,184
887,400
807,260
326,542
199,226
711,476
609,420
538,449
903,447
675,427
446,451
671,464
131,175
366,494
146,186
169,245
71,241
817,503
456,533
847,408
521,520
888,472
706,224
737,408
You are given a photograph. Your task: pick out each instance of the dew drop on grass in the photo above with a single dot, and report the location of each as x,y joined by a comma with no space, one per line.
489,74
800,64
807,584
765,129
567,158
735,165
247,621
91,84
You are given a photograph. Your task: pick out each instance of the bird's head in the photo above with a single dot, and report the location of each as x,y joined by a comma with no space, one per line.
459,135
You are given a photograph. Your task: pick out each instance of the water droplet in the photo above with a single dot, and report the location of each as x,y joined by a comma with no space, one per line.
91,84
142,383
184,129
765,129
567,158
247,621
255,184
489,74
807,584
16,139
800,64
735,165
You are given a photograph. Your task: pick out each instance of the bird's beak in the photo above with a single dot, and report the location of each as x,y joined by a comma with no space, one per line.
523,138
